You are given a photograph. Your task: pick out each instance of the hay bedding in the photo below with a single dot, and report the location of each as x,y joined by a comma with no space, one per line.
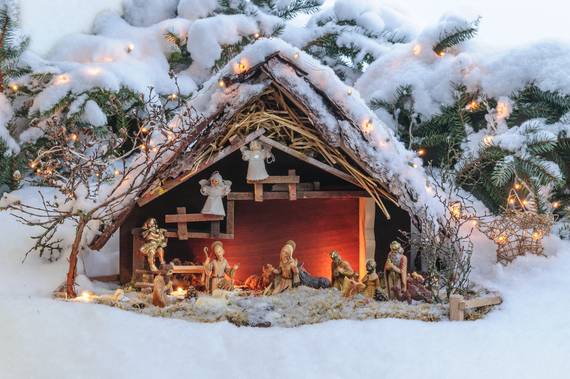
300,306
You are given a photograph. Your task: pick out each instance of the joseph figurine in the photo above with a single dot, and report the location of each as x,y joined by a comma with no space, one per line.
396,271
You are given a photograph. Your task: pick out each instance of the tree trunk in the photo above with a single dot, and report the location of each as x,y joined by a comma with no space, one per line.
72,271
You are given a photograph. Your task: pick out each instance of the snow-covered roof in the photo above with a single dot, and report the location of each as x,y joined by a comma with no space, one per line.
344,120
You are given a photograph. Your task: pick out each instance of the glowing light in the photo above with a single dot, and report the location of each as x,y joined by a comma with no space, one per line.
518,186
173,96
241,67
536,235
502,109
441,54
256,35
107,59
367,126
512,200
154,149
525,202
142,147
33,164
556,204
144,129
456,210
349,91
62,79
14,87
474,222
73,137
86,296
502,239
417,49
296,55
421,152
180,292
130,47
472,105
221,83
488,140
117,172
93,71
413,165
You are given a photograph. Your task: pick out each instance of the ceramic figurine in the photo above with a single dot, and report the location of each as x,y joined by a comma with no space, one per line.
288,271
395,271
155,242
417,289
217,268
371,280
215,188
340,270
257,155
261,282
160,289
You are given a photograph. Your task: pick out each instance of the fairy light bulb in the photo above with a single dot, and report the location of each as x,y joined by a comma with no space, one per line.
488,140
472,105
441,54
518,186
556,205
73,137
421,152
349,91
14,87
221,83
367,126
296,55
173,96
256,35
62,79
117,172
130,47
417,49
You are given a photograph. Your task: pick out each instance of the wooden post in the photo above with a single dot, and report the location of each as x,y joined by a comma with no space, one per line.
456,308
230,217
215,229
258,191
292,187
367,238
182,227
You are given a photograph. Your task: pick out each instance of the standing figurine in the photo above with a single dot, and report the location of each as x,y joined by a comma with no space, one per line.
341,270
215,188
288,270
257,155
371,280
396,271
160,288
155,242
216,269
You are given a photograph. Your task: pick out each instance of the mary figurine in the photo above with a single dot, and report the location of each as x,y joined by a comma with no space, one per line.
215,188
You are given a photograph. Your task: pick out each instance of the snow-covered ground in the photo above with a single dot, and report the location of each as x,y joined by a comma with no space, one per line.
527,337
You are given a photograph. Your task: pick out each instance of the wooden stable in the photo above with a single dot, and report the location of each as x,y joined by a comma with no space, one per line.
321,191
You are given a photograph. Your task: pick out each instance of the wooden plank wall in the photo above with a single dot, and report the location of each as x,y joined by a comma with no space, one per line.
318,226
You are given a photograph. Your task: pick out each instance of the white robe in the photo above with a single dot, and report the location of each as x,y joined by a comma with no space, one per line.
256,163
214,204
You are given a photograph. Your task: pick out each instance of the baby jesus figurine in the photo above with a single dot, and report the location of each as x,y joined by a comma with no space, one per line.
257,155
216,269
215,188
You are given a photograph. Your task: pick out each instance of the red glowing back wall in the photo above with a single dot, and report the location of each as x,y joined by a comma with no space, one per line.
318,226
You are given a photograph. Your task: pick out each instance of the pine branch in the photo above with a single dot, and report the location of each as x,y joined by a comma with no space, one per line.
456,36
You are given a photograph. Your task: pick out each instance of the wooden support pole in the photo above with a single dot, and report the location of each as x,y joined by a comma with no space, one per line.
230,223
456,308
258,192
182,227
215,229
293,186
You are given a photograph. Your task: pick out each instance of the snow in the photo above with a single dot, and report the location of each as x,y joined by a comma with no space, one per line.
6,115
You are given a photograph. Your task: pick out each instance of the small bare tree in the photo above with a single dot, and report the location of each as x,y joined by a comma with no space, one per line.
98,176
444,238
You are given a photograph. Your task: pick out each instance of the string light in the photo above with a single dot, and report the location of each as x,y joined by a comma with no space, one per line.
368,126
474,222
33,164
130,47
441,54
472,105
173,96
93,71
502,109
296,55
417,49
144,129
73,137
221,83
349,91
501,239
536,235
556,204
241,67
488,140
142,147
421,152
256,35
518,186
14,87
117,172
456,209
512,200
62,79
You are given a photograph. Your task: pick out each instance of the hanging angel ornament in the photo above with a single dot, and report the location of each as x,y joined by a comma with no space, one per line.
257,155
215,188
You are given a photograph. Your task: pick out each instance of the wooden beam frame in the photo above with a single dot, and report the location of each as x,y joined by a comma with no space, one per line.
149,196
250,196
312,161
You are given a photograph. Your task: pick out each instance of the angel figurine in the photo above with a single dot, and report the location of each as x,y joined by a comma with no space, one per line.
257,155
215,188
